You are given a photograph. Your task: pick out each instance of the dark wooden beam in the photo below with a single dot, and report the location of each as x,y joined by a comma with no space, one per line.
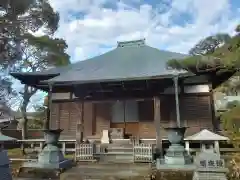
120,95
80,122
106,86
220,77
49,109
157,119
99,100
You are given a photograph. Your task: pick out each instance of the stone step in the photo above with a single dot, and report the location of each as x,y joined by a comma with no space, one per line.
120,145
121,141
119,149
117,157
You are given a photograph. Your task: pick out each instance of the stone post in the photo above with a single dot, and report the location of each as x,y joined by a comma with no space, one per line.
216,147
5,170
187,147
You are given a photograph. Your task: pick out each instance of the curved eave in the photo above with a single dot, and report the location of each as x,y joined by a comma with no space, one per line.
221,77
33,78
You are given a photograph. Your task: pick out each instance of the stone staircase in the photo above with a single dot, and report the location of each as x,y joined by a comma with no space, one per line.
120,151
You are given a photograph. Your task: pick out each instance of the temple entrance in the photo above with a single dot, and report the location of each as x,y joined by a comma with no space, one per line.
130,128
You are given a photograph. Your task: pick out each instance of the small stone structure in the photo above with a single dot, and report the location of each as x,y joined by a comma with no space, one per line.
5,120
50,158
5,171
105,137
206,138
176,157
210,166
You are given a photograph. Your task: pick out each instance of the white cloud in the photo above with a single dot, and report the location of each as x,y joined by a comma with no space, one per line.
88,26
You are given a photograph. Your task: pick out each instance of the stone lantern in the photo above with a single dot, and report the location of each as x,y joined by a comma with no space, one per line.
50,159
5,120
209,166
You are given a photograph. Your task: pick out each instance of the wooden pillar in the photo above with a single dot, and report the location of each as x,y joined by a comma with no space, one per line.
157,118
176,84
215,122
80,122
49,108
58,115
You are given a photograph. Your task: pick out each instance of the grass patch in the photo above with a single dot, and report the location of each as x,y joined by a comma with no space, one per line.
17,153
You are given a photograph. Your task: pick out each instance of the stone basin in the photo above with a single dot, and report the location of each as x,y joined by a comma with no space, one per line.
175,134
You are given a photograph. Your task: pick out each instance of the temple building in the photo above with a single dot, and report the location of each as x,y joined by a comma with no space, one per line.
129,89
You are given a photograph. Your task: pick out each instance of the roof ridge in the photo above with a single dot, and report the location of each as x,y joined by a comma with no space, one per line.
139,42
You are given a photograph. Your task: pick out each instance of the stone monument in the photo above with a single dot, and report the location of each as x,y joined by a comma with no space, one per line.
209,166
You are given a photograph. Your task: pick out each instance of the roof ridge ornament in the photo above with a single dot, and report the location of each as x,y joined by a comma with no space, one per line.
136,43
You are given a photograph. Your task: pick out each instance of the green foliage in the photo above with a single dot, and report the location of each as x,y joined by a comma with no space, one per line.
196,63
234,167
21,51
209,44
35,124
233,104
7,92
209,56
40,52
231,124
38,117
17,17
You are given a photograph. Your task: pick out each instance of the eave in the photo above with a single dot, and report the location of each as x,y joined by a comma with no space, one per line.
32,78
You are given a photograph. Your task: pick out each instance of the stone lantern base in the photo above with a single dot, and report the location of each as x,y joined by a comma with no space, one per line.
176,153
5,171
176,156
51,157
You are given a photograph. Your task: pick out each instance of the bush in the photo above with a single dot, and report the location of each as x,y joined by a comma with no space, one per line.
234,167
231,125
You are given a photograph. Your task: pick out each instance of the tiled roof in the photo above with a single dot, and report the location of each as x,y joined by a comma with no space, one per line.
129,60
206,135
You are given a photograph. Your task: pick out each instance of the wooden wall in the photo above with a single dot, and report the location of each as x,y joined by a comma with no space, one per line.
195,112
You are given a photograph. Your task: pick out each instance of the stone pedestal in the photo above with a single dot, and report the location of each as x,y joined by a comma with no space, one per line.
105,137
174,175
209,166
176,156
51,156
176,153
5,171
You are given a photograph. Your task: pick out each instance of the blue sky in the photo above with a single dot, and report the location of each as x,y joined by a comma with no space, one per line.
92,27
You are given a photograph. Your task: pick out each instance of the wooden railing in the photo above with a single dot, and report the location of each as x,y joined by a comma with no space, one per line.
37,144
143,152
85,152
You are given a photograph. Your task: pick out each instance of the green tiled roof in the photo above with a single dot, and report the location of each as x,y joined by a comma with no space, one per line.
130,60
